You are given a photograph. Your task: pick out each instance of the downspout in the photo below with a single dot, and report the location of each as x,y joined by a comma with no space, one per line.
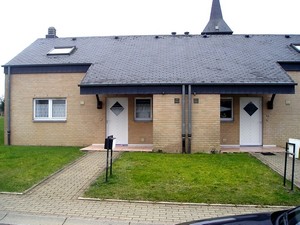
7,104
190,119
183,119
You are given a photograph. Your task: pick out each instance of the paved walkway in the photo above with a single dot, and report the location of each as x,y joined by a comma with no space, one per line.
55,201
276,162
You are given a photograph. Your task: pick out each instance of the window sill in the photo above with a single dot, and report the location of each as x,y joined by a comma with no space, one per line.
49,121
226,120
143,120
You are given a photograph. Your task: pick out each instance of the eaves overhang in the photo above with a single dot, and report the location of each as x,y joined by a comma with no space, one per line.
47,68
278,88
290,66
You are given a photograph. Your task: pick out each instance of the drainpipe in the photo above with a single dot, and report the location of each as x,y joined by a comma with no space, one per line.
190,119
183,119
7,104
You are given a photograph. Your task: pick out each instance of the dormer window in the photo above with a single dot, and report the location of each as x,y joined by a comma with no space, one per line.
61,50
296,47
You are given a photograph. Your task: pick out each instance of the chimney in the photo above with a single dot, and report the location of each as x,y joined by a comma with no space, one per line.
51,33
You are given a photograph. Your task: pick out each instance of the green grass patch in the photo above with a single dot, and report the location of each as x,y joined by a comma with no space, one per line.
198,178
23,166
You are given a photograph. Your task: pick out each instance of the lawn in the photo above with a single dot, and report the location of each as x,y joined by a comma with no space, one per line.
198,178
23,166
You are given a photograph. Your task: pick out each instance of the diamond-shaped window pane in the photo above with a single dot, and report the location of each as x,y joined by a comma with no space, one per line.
250,108
117,108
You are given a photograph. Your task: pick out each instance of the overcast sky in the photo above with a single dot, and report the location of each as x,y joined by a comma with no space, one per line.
22,22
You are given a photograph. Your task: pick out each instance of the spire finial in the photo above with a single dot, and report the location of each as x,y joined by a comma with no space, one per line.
216,24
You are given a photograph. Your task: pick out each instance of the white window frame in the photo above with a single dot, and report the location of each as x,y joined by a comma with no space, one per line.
67,50
296,47
142,119
50,110
227,119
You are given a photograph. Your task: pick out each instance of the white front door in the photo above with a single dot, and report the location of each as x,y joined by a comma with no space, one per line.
117,119
250,121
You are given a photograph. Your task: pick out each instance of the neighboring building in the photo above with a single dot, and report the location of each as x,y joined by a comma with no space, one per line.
177,93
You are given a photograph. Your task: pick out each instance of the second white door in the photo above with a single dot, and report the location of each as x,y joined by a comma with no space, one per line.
117,119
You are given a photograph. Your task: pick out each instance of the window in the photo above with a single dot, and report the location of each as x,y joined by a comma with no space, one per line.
226,109
61,51
50,109
143,109
296,47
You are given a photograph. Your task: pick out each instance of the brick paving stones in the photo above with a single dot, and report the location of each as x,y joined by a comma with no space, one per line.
276,163
56,199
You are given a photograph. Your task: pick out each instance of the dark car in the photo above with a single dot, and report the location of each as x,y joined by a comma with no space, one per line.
284,217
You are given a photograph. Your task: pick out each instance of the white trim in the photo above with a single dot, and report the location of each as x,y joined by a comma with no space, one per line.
251,131
227,119
50,107
117,125
61,50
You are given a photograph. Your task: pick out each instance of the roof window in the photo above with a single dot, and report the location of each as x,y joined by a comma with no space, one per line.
61,50
296,47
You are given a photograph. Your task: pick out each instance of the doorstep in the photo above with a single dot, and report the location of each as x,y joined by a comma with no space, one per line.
261,149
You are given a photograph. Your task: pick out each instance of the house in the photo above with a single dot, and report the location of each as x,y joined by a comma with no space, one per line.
176,93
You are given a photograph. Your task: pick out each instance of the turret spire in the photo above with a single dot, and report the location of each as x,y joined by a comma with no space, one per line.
216,24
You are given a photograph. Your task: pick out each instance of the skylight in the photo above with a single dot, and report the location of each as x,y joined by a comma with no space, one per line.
61,50
296,47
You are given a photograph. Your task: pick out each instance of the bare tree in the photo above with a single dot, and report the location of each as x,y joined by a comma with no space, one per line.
2,103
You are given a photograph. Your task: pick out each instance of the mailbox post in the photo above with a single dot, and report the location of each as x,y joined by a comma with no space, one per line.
109,145
293,153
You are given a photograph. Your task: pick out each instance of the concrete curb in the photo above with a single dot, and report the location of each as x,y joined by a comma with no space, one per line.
183,203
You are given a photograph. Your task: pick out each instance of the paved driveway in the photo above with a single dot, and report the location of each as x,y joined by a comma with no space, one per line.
55,201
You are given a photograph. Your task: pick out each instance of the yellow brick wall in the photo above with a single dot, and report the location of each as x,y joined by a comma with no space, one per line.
206,123
85,123
167,123
283,122
139,132
230,130
279,124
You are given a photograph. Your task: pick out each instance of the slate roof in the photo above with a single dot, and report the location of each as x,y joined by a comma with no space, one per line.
180,59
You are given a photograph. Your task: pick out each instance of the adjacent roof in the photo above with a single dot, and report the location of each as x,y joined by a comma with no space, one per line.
150,64
216,23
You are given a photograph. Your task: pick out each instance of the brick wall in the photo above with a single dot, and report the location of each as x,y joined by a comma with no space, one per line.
279,124
230,130
206,123
139,132
167,123
283,122
85,123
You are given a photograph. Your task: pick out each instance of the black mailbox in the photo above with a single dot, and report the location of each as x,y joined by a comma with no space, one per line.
109,142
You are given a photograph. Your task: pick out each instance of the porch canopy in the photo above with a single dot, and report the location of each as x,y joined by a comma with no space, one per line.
225,64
